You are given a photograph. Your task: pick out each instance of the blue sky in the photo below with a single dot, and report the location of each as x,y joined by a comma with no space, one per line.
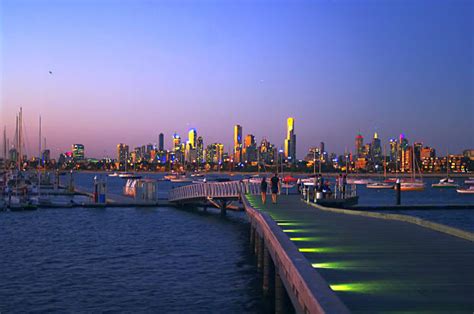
124,71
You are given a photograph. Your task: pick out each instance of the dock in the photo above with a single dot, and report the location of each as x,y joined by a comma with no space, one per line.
376,265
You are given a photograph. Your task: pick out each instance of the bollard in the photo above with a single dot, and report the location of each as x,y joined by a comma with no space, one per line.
398,191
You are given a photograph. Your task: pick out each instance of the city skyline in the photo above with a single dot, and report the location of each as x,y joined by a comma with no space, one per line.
100,76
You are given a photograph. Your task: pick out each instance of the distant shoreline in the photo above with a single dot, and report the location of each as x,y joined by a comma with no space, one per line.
327,174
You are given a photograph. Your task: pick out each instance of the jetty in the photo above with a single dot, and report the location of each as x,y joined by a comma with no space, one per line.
329,260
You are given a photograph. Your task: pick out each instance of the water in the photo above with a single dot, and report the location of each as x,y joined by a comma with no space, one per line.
127,259
149,260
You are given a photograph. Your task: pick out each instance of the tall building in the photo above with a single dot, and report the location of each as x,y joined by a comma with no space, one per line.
78,152
250,149
161,142
418,147
376,153
122,153
200,150
215,153
359,145
407,159
393,149
192,137
290,141
237,143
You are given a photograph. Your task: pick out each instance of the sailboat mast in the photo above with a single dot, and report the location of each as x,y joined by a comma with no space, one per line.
20,135
5,143
39,139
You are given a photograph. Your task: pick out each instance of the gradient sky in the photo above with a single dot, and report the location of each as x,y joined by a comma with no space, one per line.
123,71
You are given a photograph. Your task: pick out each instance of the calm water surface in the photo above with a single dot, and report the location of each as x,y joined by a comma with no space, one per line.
150,260
126,259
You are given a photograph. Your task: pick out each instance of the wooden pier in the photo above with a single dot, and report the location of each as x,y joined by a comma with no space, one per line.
324,260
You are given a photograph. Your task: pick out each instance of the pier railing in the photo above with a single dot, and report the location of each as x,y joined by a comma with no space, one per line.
231,189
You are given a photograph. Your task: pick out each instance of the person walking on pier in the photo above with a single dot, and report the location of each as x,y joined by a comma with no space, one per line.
263,189
275,188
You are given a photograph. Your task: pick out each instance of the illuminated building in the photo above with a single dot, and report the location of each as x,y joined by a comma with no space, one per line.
200,150
290,141
122,153
359,145
190,148
376,149
250,149
237,143
267,152
407,160
418,147
215,153
192,136
78,152
161,142
393,149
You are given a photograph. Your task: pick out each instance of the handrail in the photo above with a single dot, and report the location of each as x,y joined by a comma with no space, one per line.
229,189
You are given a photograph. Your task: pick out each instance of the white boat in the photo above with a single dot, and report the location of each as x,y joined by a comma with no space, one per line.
358,181
468,190
412,186
380,185
115,174
445,183
129,175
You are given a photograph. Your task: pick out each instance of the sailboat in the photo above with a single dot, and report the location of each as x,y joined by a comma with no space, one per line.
413,184
381,184
446,183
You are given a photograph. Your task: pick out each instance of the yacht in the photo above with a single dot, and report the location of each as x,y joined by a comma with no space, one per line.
466,190
380,185
446,183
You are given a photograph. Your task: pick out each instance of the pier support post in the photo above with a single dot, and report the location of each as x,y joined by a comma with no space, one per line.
252,236
260,252
223,207
268,273
257,242
281,296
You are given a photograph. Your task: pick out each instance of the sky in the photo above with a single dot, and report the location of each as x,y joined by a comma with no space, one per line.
124,71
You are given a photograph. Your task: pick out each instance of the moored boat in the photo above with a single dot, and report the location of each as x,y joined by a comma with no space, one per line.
380,185
412,186
467,190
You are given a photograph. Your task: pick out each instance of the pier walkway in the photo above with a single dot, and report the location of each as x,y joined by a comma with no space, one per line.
376,265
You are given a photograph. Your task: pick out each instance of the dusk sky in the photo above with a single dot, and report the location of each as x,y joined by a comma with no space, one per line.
124,71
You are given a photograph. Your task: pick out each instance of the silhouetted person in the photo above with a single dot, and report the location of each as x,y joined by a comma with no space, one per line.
263,189
275,188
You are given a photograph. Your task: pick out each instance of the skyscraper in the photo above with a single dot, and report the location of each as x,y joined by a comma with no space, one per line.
237,143
359,145
250,149
200,150
376,153
122,153
290,141
161,142
192,136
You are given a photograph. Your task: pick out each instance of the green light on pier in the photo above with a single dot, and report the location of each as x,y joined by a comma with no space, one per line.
358,287
317,250
305,239
295,230
289,224
335,265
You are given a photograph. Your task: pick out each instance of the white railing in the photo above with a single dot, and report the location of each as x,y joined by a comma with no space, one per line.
231,189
